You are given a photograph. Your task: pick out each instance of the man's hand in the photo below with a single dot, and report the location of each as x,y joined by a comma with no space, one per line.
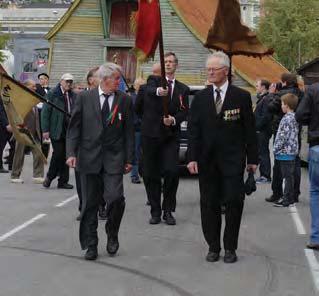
127,168
46,136
71,162
9,128
162,92
168,121
193,167
251,168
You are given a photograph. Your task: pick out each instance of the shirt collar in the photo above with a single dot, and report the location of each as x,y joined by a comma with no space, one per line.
223,88
171,79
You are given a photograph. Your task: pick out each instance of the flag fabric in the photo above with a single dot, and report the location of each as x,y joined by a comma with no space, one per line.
228,34
18,101
148,28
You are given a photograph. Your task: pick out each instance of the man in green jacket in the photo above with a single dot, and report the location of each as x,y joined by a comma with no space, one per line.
54,126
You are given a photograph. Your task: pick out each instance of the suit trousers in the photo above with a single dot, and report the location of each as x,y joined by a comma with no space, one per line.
58,166
18,161
217,190
160,158
79,190
264,154
113,196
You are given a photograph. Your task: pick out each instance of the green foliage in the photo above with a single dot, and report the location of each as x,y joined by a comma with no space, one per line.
291,27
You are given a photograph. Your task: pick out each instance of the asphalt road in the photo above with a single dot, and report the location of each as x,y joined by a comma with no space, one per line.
40,253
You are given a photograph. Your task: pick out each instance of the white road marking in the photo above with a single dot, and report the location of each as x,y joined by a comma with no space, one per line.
295,216
63,203
314,266
22,226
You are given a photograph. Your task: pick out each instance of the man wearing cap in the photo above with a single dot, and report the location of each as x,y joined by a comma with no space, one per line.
54,127
43,85
42,88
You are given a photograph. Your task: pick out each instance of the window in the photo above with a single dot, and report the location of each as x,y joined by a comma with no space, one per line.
120,19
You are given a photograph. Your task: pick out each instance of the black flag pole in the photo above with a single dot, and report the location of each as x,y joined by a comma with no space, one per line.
162,61
39,97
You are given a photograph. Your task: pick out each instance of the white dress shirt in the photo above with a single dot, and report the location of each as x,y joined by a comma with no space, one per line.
102,99
223,90
173,85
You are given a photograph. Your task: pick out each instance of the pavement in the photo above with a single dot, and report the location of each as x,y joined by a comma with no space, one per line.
40,253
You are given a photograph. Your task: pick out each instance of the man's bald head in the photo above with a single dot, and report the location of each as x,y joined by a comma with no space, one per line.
156,69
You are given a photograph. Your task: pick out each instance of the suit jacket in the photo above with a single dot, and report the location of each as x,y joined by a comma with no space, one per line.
85,138
52,120
152,119
225,140
40,90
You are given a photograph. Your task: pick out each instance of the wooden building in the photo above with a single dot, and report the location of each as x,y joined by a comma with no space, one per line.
93,31
310,72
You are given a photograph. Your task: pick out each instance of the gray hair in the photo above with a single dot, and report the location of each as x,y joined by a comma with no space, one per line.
108,69
28,82
224,59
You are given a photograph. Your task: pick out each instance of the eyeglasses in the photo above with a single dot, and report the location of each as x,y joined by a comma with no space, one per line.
69,81
214,69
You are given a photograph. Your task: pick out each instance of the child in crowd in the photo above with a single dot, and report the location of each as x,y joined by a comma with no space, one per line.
286,147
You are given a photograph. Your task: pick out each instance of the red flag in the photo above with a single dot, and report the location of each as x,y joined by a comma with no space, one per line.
148,28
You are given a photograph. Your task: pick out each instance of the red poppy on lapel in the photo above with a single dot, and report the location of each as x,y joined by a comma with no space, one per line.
181,104
114,112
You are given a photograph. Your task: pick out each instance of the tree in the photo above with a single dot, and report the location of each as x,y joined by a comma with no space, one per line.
291,28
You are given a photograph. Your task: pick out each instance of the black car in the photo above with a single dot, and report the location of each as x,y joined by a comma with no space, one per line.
183,141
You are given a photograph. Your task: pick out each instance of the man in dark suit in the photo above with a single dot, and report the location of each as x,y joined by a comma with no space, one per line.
43,85
42,88
222,139
160,140
100,143
54,126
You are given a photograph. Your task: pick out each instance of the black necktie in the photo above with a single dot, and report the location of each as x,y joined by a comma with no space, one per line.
218,100
105,110
170,88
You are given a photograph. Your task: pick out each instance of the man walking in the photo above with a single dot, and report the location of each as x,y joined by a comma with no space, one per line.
100,143
54,126
222,139
308,114
160,140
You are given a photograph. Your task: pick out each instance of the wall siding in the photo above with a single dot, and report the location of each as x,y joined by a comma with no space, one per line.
78,46
76,54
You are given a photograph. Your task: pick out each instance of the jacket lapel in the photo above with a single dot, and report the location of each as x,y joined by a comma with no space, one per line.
96,102
211,99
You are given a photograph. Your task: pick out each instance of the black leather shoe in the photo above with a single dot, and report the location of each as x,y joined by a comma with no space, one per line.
112,245
65,186
155,220
2,170
313,246
212,256
230,256
91,253
169,218
47,182
272,198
